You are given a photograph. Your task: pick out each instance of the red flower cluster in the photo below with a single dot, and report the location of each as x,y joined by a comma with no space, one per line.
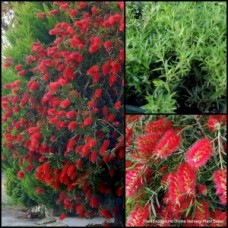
186,178
199,153
138,216
214,122
219,179
174,188
146,144
20,175
167,145
134,179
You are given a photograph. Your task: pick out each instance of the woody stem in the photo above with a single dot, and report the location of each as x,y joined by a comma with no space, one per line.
219,148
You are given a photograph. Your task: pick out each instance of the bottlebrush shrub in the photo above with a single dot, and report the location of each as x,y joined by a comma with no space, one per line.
176,170
64,127
168,68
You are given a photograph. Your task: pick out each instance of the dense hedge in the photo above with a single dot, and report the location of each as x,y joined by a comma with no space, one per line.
64,128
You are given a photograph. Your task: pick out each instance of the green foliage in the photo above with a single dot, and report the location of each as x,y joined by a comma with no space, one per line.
27,28
177,47
15,190
8,76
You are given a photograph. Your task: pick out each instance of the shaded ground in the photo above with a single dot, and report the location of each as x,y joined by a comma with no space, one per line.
15,216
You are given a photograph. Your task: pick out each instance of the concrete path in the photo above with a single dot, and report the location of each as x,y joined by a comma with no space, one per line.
16,217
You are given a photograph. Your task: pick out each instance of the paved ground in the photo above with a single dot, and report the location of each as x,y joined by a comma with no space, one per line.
14,216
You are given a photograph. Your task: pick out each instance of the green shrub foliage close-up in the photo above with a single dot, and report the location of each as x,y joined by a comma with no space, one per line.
176,56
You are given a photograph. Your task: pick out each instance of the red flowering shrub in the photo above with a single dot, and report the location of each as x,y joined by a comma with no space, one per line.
176,170
64,127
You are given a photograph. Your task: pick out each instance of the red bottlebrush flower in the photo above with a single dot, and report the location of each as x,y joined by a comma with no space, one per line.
41,15
22,73
121,55
121,28
202,213
106,68
20,175
173,188
159,126
72,125
68,73
71,170
213,123
94,11
146,144
105,213
85,150
105,111
165,179
62,216
92,142
222,119
42,159
79,164
73,13
112,79
108,45
18,67
128,137
219,178
131,118
220,216
134,179
111,117
96,40
138,216
79,209
70,144
119,191
116,67
93,48
64,6
7,65
98,93
167,144
82,5
46,77
202,189
66,103
94,202
40,190
92,70
71,114
93,156
104,147
186,178
53,12
88,121
117,105
199,153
